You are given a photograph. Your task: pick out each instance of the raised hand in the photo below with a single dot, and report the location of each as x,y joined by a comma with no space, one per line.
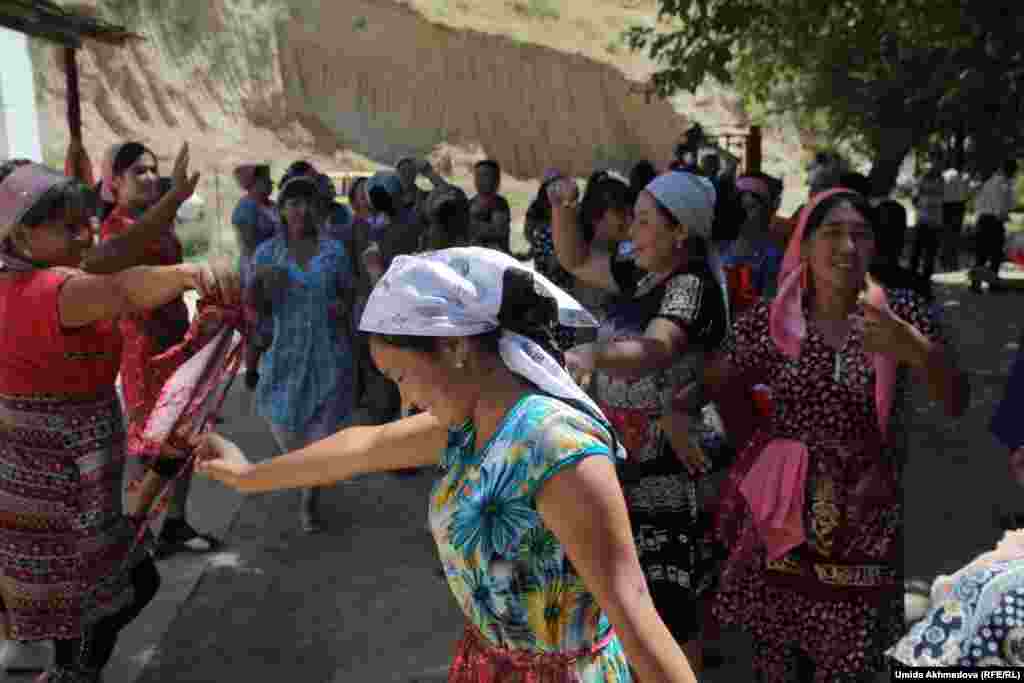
182,184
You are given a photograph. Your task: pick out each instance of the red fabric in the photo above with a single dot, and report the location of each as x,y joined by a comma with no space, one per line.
740,281
154,341
37,356
192,397
479,661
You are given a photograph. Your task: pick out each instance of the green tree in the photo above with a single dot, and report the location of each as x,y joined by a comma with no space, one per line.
888,77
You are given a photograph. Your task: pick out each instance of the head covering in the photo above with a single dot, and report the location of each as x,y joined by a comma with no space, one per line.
775,485
755,185
788,324
22,190
458,293
247,174
691,199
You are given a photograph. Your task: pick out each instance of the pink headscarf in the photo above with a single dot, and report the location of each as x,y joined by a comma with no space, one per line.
774,487
21,190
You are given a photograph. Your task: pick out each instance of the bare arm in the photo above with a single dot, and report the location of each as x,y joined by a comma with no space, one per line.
947,384
585,509
657,349
128,249
86,299
589,263
415,441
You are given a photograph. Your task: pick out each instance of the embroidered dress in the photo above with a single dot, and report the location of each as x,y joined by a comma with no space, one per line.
310,362
506,569
66,550
542,249
672,533
836,599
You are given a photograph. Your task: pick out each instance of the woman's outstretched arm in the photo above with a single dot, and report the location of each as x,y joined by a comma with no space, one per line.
415,441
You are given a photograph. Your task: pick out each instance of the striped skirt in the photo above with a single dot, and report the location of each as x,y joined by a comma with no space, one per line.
66,549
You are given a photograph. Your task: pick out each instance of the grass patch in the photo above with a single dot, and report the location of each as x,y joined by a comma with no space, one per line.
536,9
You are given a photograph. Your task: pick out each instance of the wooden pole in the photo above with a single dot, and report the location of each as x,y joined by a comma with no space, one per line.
754,150
74,95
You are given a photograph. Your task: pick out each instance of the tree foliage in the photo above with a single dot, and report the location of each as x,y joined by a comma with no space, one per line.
888,77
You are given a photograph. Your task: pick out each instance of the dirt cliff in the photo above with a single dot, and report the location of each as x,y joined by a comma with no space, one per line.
343,80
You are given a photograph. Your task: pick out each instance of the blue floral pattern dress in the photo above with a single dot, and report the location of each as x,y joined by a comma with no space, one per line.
506,569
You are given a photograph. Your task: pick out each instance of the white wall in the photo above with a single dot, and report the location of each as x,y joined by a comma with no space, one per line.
19,120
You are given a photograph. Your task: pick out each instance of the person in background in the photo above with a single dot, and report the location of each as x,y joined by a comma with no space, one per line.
993,204
527,513
890,238
954,208
338,222
255,220
752,260
537,230
929,228
411,201
131,180
640,176
303,280
490,213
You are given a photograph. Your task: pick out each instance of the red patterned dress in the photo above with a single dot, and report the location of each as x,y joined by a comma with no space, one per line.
153,347
65,546
835,602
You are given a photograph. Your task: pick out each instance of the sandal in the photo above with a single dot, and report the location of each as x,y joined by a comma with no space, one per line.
179,536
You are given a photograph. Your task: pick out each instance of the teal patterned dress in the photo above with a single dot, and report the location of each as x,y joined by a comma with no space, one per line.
506,569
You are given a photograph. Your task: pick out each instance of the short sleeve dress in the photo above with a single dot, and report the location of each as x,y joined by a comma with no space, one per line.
671,528
506,569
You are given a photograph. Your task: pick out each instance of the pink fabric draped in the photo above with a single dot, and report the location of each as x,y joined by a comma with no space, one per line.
194,395
774,486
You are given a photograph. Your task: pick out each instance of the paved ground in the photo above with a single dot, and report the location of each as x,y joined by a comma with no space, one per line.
361,602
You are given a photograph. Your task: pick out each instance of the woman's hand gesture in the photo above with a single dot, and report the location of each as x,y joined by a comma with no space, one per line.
183,185
220,459
563,193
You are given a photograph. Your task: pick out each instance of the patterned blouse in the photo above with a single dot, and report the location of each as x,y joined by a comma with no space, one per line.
314,362
506,569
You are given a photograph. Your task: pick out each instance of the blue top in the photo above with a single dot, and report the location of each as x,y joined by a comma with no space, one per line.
766,262
339,223
309,362
262,220
1006,423
507,570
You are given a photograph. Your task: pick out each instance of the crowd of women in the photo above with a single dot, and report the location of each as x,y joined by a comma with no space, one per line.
716,439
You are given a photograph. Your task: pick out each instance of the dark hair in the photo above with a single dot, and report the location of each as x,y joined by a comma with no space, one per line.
301,167
381,200
857,201
640,176
128,154
602,194
1010,168
489,163
891,223
353,190
69,195
540,207
858,182
446,212
523,310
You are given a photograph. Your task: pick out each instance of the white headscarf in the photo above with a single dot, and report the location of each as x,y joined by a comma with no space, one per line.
691,199
457,293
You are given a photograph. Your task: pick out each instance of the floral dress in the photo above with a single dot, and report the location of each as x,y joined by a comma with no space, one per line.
672,532
976,620
835,602
506,569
